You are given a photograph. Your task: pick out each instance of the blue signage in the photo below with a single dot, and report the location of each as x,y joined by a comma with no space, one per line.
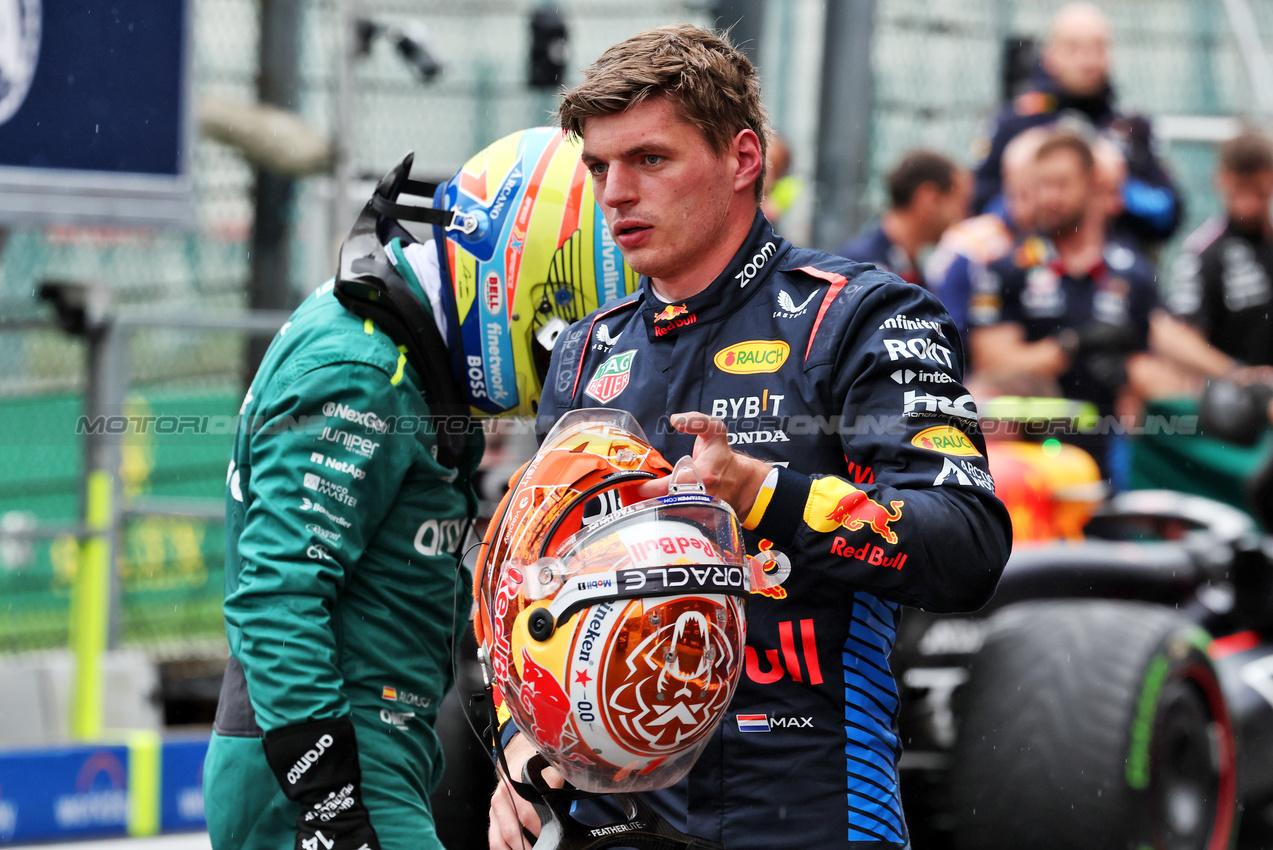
181,785
70,792
95,117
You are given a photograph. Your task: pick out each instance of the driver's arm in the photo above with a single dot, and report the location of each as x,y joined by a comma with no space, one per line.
1002,349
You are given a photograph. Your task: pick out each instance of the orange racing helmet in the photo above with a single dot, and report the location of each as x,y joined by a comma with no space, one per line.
613,629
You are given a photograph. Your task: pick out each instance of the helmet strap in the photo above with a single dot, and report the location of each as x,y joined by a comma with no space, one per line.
368,286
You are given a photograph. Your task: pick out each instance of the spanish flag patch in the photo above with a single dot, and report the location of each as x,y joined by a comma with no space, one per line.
389,693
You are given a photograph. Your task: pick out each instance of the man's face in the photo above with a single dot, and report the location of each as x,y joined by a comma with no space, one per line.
1063,193
1020,192
1077,54
1246,197
952,206
665,193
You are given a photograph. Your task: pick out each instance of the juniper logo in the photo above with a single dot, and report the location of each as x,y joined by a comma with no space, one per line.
19,53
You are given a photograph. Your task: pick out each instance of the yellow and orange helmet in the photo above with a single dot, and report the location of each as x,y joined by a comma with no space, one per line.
612,628
536,255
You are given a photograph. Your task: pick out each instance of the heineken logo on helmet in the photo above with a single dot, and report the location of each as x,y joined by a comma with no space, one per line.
612,377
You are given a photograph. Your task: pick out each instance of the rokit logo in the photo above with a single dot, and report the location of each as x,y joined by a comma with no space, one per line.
919,349
909,376
339,465
326,488
923,404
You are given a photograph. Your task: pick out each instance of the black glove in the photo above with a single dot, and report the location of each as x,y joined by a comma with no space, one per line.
1107,368
316,765
1103,337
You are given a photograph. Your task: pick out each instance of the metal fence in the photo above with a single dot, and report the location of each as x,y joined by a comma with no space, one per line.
935,82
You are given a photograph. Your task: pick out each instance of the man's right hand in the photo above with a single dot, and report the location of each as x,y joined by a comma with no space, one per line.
509,811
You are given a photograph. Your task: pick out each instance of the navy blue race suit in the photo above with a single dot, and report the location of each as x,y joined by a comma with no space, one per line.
873,246
848,380
1152,206
1110,304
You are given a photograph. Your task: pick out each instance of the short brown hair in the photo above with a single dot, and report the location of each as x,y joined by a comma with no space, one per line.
1247,153
713,85
916,169
1066,140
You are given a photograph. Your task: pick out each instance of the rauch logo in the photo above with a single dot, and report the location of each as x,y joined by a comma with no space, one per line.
752,357
946,440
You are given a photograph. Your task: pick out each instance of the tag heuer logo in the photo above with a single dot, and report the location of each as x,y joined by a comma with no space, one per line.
612,378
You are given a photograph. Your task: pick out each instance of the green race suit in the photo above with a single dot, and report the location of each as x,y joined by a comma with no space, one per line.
344,593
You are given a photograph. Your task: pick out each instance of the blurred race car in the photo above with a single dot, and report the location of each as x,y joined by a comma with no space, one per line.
1117,692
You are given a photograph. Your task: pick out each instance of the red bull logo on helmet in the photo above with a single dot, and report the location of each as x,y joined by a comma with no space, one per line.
547,699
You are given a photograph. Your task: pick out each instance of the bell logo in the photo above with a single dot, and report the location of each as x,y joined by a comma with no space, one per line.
493,294
752,357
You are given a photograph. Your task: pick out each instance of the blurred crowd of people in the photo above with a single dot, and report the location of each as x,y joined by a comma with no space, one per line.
1053,281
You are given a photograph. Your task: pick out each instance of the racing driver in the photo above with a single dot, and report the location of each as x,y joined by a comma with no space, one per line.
821,398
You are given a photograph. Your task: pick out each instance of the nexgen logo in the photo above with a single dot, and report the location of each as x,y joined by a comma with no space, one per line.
752,357
947,440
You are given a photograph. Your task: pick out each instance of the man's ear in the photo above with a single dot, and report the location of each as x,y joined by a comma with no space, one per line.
746,150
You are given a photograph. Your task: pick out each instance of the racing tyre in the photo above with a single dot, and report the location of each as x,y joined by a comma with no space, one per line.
1093,724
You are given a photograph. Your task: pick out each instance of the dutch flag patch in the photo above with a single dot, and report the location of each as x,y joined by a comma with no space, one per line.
753,723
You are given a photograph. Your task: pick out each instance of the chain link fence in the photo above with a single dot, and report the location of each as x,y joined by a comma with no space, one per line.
170,567
937,69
